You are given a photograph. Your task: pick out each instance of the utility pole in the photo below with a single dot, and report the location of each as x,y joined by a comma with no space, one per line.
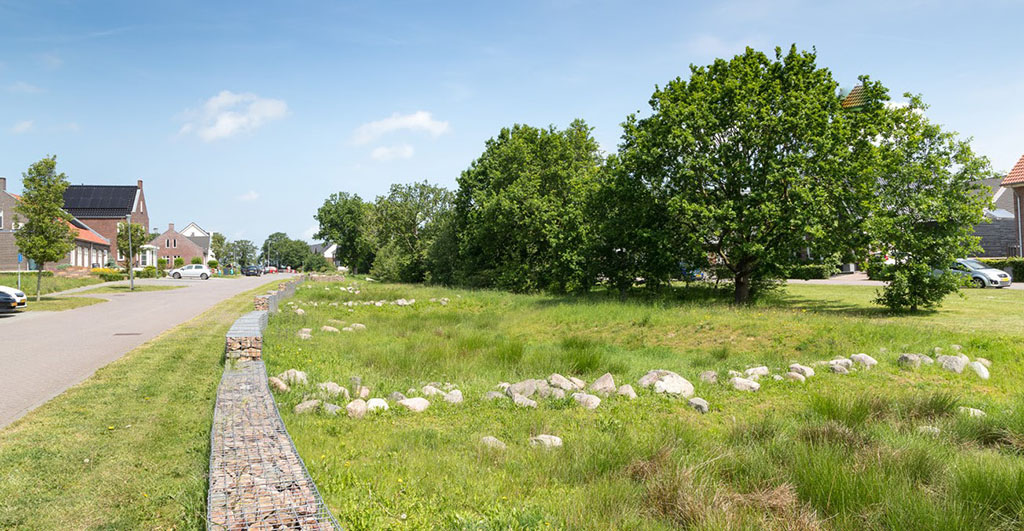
131,270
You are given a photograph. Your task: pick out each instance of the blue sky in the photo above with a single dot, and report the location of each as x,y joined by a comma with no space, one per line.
244,116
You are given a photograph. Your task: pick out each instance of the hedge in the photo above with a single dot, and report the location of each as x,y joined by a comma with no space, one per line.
813,271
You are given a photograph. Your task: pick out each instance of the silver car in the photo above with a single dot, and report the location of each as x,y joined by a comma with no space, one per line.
981,275
191,271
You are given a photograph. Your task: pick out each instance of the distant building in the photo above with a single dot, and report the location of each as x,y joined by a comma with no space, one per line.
174,244
999,231
103,207
1014,181
326,250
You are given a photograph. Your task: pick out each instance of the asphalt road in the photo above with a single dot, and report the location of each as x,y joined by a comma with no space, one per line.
44,353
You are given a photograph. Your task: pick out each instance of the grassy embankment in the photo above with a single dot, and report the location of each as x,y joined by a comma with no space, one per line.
50,284
128,448
838,452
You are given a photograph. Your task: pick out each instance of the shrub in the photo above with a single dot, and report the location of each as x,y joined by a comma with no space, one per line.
108,274
212,264
161,263
196,260
1013,265
178,262
147,272
813,271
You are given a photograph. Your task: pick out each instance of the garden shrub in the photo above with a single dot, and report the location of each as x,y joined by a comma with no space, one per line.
196,260
178,262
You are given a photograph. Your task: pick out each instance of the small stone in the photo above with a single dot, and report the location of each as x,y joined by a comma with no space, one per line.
300,311
802,370
375,404
648,379
743,384
526,388
561,382
277,384
503,386
492,442
356,408
911,361
795,376
777,377
956,348
709,377
699,404
839,369
580,384
864,359
494,395
327,328
604,385
626,391
522,401
358,326
546,441
453,397
586,400
430,390
347,329
735,374
985,362
331,409
971,412
293,377
757,372
307,406
928,430
979,369
396,397
415,404
845,363
673,384
557,393
364,392
953,363
332,389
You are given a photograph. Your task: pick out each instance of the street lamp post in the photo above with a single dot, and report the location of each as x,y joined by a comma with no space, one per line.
131,270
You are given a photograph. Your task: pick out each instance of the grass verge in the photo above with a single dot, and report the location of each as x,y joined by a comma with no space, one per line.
838,452
50,284
128,448
58,304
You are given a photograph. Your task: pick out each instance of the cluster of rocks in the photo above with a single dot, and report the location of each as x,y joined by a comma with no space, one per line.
953,363
380,303
307,333
543,441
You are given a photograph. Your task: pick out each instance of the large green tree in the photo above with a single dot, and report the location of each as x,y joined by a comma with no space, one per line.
243,251
138,238
519,210
345,221
45,235
756,161
219,245
928,201
405,224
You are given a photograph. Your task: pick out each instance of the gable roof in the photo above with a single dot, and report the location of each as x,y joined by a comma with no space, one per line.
1016,175
201,241
1002,197
100,201
194,224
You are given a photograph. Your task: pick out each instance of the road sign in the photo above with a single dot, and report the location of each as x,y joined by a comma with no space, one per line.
19,258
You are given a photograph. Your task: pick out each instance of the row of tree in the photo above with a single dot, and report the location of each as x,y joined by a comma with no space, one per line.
750,167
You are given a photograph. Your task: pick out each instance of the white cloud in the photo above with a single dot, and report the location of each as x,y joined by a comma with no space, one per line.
417,121
230,113
23,88
251,195
23,126
401,151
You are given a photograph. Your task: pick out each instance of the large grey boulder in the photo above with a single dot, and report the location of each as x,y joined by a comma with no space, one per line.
356,408
955,364
561,382
910,361
754,373
375,404
648,379
586,400
306,406
453,397
699,404
522,401
865,360
604,385
396,397
277,384
332,389
543,389
331,409
415,404
979,369
546,441
293,377
802,370
430,390
845,363
795,376
743,384
580,384
627,391
526,388
667,382
492,442
839,369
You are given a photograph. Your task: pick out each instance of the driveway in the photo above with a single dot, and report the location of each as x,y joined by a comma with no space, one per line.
44,353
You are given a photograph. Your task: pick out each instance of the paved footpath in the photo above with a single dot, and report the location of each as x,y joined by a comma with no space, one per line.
44,353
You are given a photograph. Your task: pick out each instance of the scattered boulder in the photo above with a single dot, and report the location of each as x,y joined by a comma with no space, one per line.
557,393
795,376
430,390
347,328
293,377
648,379
777,377
453,397
300,311
415,404
328,328
864,359
911,361
503,386
928,430
364,392
543,389
626,391
839,369
492,442
586,400
277,384
332,389
358,326
736,374
754,373
955,364
561,382
709,377
802,370
979,369
526,388
604,385
743,384
396,397
494,395
845,363
580,384
699,404
971,412
546,441
375,404
667,382
306,406
985,362
522,401
356,408
331,409
305,333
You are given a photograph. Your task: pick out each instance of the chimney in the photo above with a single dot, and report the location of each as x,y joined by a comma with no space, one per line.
140,184
170,226
3,184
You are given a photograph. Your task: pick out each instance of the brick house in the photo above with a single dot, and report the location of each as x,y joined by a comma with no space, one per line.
1014,181
102,207
998,233
173,244
91,248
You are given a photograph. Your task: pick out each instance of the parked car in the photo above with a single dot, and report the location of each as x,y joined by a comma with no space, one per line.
270,269
191,271
12,299
252,271
981,275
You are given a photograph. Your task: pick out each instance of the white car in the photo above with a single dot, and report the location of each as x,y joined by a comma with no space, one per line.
199,271
12,299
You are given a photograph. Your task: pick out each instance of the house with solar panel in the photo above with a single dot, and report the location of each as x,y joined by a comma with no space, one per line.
103,207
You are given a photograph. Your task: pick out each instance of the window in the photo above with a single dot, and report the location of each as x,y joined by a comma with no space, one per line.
1,220
175,243
167,243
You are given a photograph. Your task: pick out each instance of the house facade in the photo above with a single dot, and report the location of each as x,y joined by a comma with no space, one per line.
326,250
999,231
102,207
201,238
174,244
1014,182
91,249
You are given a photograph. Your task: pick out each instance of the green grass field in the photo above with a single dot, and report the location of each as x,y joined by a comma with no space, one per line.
50,284
58,304
837,452
128,448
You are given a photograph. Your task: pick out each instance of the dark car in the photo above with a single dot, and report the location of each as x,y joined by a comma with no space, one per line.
252,271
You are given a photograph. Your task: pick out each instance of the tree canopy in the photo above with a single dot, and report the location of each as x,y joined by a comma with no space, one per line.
45,234
344,220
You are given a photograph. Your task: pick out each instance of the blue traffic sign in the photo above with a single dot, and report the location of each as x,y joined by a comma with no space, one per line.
19,258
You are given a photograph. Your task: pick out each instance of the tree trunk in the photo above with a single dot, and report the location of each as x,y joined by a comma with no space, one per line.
39,280
742,293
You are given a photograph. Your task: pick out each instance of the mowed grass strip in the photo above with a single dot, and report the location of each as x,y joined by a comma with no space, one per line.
58,304
49,284
839,452
129,447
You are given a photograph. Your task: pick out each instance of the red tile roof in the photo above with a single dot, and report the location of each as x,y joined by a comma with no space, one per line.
87,236
1016,175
